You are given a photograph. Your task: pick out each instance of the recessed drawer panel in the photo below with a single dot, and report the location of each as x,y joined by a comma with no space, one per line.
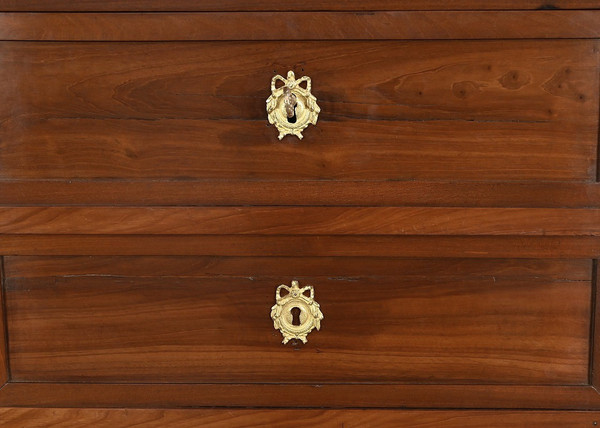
206,319
460,110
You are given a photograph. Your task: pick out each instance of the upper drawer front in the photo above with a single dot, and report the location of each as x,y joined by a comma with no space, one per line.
459,110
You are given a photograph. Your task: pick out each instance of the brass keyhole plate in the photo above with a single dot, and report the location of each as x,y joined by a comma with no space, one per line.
291,107
282,312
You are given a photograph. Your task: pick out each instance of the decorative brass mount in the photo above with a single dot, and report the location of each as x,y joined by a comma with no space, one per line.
290,107
310,313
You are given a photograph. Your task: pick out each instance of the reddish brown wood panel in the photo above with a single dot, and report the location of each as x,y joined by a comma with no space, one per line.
203,266
595,333
518,79
301,193
270,5
278,395
380,326
300,25
300,221
4,371
232,418
285,245
524,110
351,149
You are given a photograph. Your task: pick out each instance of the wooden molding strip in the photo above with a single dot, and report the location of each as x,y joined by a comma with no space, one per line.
594,366
232,418
4,369
418,25
280,395
300,221
534,270
552,247
301,193
277,5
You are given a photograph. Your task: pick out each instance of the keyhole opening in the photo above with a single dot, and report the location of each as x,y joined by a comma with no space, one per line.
293,118
295,316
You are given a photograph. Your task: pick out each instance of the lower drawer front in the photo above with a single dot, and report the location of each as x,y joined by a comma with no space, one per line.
206,319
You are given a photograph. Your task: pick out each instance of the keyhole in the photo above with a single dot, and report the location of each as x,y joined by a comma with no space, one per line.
295,316
293,118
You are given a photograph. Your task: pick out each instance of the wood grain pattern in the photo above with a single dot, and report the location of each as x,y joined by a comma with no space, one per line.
270,5
300,221
206,266
301,193
380,326
348,150
595,329
160,111
232,418
429,127
4,370
278,395
300,25
512,80
287,245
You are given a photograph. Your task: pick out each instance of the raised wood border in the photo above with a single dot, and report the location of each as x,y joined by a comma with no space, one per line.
36,394
230,418
4,368
552,247
199,26
275,220
300,193
595,329
277,5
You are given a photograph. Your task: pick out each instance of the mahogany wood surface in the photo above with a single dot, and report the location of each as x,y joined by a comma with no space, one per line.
518,110
496,81
552,247
44,394
277,5
300,221
446,208
221,418
4,370
421,25
595,340
341,267
500,322
300,193
347,150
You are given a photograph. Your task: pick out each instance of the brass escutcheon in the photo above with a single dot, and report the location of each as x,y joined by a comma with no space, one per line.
310,312
291,108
